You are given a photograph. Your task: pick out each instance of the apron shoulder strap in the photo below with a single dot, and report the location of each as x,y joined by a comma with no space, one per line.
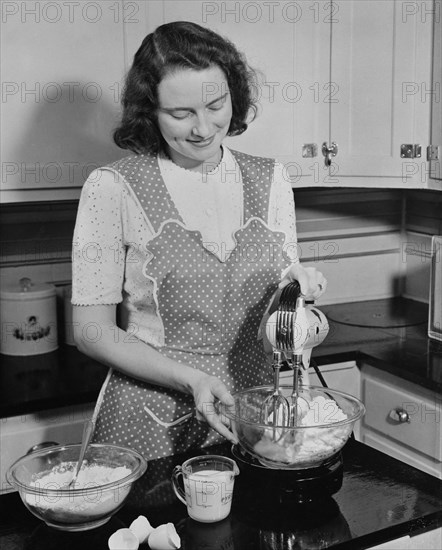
142,174
257,176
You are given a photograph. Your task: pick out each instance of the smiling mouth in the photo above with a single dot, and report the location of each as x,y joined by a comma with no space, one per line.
202,142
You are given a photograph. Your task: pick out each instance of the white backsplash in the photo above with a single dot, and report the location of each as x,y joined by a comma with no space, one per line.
370,244
416,256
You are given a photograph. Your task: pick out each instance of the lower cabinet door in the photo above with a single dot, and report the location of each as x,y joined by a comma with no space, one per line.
20,434
431,540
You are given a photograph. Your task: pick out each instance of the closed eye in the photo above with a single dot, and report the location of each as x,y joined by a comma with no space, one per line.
218,103
180,115
217,106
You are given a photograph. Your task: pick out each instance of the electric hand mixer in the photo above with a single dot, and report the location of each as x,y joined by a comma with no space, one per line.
293,330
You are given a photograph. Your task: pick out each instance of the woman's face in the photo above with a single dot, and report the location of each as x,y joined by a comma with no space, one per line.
194,115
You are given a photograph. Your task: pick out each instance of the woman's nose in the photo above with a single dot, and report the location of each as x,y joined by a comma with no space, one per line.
202,127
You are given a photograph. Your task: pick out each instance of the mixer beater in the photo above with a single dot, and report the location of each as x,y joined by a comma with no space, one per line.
293,330
276,408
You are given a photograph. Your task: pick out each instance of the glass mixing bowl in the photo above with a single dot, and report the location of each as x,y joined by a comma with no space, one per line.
323,428
104,482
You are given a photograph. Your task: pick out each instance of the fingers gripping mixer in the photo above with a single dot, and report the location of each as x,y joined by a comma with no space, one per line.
293,330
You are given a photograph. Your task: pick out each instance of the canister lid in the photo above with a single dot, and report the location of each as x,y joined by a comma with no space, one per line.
25,289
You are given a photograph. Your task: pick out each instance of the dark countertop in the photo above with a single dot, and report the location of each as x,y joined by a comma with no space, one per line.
380,499
390,334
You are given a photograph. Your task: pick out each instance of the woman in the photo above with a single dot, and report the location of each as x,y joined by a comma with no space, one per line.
179,247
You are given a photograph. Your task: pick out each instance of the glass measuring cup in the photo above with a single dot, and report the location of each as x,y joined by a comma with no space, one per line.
208,486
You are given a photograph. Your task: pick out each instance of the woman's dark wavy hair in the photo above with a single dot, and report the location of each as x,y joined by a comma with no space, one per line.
179,45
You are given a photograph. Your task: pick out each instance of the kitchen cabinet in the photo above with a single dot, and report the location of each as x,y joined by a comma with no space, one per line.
344,376
402,420
288,44
426,541
431,540
353,72
292,62
381,62
436,105
62,65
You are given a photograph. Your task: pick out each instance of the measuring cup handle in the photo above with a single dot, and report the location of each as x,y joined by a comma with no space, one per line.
176,474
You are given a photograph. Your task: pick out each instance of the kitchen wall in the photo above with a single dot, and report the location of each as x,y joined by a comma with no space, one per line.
423,219
369,243
354,238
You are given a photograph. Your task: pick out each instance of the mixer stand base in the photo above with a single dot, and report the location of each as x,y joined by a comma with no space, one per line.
273,486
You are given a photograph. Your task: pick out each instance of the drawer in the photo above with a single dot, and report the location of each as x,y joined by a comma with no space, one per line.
405,413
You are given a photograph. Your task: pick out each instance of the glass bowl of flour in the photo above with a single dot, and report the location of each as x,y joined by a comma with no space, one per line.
325,421
106,477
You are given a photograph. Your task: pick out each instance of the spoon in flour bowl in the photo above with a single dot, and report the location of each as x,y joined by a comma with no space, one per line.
88,430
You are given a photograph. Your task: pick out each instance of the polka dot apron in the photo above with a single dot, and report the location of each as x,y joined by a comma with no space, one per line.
210,308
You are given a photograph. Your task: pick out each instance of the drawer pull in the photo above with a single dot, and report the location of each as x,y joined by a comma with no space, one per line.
400,415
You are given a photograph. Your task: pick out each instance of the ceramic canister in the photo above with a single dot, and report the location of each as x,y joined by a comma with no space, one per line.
28,317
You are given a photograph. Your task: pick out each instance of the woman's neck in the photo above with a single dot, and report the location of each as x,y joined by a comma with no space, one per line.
194,165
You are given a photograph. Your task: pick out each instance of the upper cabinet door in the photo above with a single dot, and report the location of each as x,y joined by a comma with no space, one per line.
436,106
381,67
62,65
354,72
288,44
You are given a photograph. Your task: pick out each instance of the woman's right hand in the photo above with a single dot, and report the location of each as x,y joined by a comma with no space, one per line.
141,361
207,390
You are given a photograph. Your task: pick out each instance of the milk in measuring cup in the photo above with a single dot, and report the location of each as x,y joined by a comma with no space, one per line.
209,494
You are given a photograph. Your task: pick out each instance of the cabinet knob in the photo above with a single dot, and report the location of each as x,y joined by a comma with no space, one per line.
400,415
329,152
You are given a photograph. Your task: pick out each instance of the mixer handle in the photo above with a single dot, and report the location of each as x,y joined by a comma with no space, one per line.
290,293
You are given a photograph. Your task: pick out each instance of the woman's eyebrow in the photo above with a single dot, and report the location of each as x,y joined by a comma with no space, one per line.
218,99
170,109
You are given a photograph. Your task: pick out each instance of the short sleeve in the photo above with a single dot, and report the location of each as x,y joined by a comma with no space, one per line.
98,250
282,215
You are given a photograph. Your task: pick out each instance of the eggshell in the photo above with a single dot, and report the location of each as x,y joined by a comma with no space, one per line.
141,528
164,537
123,539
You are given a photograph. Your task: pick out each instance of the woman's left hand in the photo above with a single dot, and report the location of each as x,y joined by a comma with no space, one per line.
207,390
313,283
